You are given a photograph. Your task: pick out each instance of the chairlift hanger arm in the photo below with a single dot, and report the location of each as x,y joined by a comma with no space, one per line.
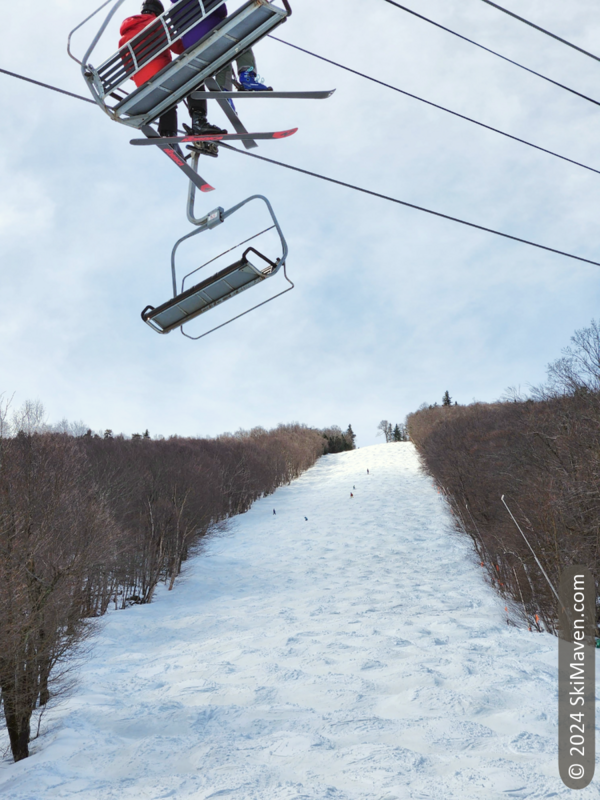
97,37
81,24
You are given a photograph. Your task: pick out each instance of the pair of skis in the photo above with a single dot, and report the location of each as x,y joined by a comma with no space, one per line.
170,145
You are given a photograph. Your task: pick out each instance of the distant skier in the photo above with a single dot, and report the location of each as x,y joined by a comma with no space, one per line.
367,471
306,519
274,512
351,495
354,487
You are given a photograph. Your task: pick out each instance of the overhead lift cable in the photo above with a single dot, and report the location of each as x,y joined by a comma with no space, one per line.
538,28
411,205
361,189
439,107
46,86
369,78
494,52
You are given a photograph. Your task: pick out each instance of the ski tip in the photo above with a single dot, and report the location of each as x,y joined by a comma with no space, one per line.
284,134
207,188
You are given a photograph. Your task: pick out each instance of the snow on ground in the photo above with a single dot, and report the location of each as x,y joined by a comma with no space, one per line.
358,654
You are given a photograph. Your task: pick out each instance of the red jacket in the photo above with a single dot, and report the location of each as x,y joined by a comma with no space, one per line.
130,28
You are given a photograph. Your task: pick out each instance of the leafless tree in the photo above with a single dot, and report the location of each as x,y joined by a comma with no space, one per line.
53,526
386,429
88,520
579,368
29,418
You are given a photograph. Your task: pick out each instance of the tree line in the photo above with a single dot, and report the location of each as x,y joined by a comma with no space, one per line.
543,453
393,433
338,441
90,522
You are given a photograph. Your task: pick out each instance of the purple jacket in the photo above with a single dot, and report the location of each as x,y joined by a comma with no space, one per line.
204,27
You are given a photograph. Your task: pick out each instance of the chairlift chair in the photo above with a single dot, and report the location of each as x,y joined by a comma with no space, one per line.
195,67
242,274
183,76
231,37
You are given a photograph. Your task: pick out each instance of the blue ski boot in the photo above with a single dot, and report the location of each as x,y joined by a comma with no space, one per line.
249,81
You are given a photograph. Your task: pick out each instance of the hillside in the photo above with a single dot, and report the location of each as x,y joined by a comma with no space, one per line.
358,653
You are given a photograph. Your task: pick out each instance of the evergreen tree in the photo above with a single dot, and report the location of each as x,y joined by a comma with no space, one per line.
351,437
446,400
386,428
397,433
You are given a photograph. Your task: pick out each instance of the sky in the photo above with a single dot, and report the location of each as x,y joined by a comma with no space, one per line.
391,306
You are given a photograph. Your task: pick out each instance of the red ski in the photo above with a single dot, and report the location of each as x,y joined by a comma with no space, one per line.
174,153
214,137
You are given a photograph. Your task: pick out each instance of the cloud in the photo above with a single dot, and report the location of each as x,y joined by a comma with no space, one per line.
391,306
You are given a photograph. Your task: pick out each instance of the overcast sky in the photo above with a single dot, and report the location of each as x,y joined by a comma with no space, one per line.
391,306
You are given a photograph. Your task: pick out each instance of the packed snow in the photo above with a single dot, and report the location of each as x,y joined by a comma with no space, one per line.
358,653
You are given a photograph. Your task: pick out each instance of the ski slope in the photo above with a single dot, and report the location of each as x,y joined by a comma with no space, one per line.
356,654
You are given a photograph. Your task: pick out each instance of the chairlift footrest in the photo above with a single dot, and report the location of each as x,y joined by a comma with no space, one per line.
242,95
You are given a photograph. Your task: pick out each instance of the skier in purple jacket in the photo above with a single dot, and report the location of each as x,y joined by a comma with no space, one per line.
246,65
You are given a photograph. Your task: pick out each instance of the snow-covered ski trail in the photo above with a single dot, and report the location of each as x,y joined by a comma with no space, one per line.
357,654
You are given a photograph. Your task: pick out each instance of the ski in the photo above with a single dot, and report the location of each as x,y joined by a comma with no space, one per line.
176,157
167,141
236,122
241,95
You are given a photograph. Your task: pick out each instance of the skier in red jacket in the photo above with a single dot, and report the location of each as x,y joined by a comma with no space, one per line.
167,124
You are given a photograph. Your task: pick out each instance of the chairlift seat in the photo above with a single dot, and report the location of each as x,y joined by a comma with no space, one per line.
209,293
187,304
235,34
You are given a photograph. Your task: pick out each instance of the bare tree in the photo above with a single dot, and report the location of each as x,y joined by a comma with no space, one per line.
30,418
579,368
52,527
386,429
89,520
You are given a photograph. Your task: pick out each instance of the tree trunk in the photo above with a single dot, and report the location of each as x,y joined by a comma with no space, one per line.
17,723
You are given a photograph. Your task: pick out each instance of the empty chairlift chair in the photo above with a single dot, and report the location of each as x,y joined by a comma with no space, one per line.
251,268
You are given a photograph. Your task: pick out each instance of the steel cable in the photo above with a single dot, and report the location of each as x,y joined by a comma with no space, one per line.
46,86
410,205
351,186
538,28
439,107
494,53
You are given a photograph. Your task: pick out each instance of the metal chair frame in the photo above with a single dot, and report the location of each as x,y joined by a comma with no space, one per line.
219,48
209,221
196,66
